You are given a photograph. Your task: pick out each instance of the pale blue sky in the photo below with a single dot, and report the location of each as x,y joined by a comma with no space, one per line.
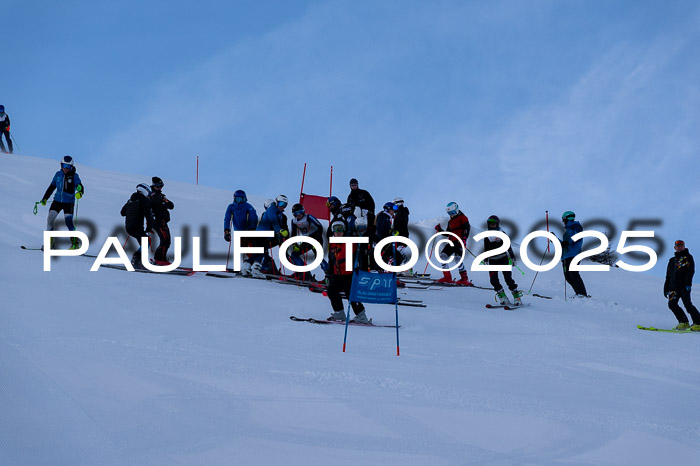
507,107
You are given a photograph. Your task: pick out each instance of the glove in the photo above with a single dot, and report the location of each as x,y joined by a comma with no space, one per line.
296,248
43,202
227,235
78,195
689,287
394,233
284,233
438,228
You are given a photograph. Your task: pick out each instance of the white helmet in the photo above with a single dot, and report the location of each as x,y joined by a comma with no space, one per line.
398,200
144,189
282,201
268,203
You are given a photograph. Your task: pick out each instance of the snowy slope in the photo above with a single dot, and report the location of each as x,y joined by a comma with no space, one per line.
118,368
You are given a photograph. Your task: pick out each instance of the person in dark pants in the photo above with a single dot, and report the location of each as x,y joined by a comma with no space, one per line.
677,286
68,187
571,249
493,242
160,205
136,210
340,280
5,130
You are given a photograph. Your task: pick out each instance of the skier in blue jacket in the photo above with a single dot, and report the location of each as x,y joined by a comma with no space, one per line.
68,187
242,217
571,249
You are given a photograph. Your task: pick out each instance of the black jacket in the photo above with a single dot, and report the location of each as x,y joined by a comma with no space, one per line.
383,229
4,121
493,242
401,221
679,272
136,209
362,199
160,206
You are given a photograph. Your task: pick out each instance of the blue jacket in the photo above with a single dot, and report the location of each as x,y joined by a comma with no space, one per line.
272,220
66,185
245,218
570,248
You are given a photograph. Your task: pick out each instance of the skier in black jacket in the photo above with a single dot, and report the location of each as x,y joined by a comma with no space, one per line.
160,206
361,198
677,286
136,210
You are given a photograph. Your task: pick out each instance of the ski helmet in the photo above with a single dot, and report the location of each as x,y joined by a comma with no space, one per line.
268,203
239,197
346,210
568,216
398,200
144,189
493,222
333,202
2,109
338,227
67,162
282,201
157,182
297,209
452,209
390,206
353,181
361,225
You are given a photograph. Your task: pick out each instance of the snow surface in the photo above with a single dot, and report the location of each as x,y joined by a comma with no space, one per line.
111,367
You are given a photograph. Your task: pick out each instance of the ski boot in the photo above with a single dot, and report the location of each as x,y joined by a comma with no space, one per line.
74,243
502,298
245,269
683,326
361,318
338,316
255,271
517,297
447,277
463,280
695,327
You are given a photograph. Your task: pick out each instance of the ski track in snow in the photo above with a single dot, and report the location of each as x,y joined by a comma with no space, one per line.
113,367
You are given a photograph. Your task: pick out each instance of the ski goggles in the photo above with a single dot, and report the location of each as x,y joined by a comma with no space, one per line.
298,213
679,243
239,199
281,204
491,222
338,228
158,185
66,165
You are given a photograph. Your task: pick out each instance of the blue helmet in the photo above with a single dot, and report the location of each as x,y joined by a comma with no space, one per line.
390,206
239,197
2,109
333,202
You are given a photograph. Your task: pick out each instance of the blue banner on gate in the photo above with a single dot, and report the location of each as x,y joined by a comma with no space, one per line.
377,288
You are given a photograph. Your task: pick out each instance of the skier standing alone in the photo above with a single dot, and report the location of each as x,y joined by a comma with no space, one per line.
68,187
5,130
242,216
570,250
459,225
677,286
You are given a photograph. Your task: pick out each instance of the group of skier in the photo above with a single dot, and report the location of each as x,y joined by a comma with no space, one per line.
147,212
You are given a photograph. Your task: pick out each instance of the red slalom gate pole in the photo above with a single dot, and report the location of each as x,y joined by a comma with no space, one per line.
303,177
330,192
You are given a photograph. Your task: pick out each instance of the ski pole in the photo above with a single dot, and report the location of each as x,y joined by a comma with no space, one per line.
533,280
510,262
36,209
228,255
430,256
14,140
564,281
396,309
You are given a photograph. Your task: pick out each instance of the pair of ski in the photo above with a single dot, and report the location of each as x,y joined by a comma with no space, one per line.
341,322
507,307
185,272
668,330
